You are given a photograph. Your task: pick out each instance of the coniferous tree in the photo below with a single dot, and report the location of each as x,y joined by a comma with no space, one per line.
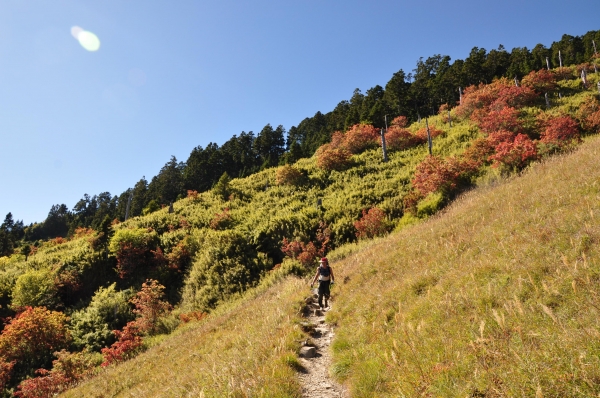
139,197
168,184
270,145
203,168
57,222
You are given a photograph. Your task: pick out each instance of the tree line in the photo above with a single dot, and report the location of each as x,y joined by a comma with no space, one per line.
434,81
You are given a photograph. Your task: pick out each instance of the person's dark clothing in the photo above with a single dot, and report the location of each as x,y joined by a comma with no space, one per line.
323,292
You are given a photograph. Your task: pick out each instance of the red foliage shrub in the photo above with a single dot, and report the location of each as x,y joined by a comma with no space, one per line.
192,316
149,305
421,134
292,248
288,175
32,335
542,81
361,137
500,136
372,223
337,139
581,67
296,249
57,241
333,158
68,284
183,223
28,340
397,139
81,231
6,369
66,370
435,173
516,154
400,121
192,194
561,131
307,254
505,119
588,115
129,257
221,220
47,384
564,73
443,111
496,95
479,151
323,236
179,258
128,342
410,201
513,96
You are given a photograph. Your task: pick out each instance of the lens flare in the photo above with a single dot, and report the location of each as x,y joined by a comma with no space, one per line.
88,40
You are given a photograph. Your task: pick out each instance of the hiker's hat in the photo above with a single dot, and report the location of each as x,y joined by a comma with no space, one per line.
323,260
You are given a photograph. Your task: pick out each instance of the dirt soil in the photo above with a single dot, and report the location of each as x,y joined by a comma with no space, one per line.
315,378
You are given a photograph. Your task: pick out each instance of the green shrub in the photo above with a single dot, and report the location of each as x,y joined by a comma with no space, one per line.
226,264
35,289
109,310
431,204
151,208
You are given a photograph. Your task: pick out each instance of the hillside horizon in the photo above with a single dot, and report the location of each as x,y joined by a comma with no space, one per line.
246,153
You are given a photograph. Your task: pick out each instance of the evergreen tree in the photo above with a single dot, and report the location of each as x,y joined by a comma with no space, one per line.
270,145
57,222
396,96
139,197
203,168
167,186
222,188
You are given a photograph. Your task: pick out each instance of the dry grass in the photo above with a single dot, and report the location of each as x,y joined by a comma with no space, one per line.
498,296
247,349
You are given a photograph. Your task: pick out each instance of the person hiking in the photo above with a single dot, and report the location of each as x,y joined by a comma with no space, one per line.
326,278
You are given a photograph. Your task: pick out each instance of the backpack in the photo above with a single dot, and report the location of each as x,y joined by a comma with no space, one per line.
324,273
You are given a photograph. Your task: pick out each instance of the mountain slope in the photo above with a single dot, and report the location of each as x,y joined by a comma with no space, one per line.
498,296
495,297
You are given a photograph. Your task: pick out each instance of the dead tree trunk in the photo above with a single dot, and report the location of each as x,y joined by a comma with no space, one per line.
383,146
429,143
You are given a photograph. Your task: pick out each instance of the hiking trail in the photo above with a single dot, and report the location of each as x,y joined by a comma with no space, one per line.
315,356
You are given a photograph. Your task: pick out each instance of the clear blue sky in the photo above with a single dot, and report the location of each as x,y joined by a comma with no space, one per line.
172,75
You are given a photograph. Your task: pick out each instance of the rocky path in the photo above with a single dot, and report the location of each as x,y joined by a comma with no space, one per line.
315,356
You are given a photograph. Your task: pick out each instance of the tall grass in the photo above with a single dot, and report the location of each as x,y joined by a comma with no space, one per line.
245,349
496,297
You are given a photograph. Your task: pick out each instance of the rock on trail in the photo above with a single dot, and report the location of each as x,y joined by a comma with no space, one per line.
315,356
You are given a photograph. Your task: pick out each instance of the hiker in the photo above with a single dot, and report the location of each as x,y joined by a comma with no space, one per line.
325,276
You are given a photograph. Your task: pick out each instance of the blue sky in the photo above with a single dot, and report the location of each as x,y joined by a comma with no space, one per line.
172,75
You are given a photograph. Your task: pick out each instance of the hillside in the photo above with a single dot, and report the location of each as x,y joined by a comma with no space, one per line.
216,257
433,82
496,296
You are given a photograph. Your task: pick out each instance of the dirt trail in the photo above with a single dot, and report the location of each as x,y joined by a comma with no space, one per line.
315,379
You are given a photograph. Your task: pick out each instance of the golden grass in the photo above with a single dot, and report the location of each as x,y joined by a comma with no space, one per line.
497,296
246,349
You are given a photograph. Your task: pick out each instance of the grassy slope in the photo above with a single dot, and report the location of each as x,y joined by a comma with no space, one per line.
246,349
495,297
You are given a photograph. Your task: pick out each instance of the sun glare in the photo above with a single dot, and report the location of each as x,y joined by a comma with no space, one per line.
88,40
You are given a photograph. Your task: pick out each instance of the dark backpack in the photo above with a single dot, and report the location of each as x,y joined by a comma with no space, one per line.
324,271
